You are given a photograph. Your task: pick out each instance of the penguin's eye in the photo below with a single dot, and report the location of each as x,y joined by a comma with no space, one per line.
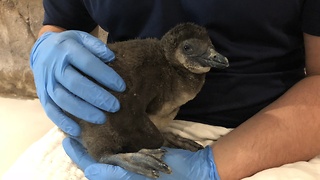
187,48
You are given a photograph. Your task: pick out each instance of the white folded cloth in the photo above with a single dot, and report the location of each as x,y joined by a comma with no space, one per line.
46,159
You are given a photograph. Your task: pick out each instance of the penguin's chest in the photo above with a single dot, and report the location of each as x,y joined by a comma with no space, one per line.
169,109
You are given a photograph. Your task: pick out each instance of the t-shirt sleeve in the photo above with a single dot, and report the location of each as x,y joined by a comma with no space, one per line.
70,14
311,17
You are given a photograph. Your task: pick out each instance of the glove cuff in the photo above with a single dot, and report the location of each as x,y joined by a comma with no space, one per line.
35,46
213,170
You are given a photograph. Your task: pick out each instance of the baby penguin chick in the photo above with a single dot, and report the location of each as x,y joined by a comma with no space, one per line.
161,75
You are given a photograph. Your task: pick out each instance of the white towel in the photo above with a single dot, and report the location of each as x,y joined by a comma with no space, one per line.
46,159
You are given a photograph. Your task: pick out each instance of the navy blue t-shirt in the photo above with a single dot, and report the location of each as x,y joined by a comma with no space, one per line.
262,40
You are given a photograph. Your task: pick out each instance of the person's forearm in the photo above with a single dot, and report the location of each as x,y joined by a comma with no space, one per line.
50,28
286,131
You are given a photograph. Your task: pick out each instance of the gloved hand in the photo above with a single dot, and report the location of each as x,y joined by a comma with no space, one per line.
58,62
185,165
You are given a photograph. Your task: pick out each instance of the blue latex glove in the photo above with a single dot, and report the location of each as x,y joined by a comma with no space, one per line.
57,60
184,164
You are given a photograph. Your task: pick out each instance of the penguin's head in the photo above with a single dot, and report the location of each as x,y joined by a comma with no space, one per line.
189,46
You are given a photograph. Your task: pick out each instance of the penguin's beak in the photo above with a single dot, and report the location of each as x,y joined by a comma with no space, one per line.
211,58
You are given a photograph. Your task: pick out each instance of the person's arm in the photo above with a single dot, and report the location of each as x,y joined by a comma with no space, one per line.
51,28
286,131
